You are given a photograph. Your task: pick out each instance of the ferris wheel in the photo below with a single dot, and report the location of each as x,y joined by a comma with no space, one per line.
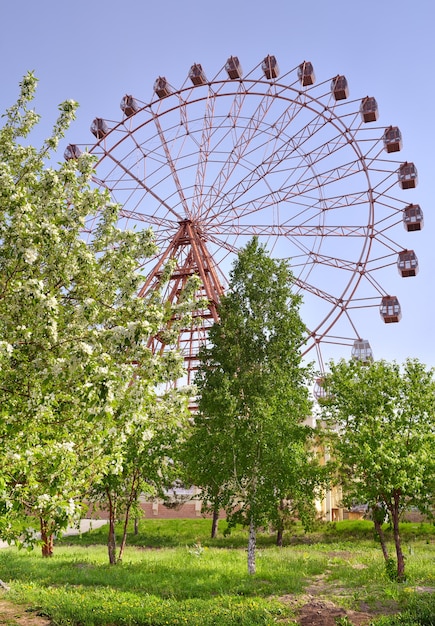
293,161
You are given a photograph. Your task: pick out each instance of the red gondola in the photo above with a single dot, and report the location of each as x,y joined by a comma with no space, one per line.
233,68
129,105
369,109
413,217
270,67
339,88
408,177
161,87
306,74
392,139
407,263
71,152
390,309
197,75
99,128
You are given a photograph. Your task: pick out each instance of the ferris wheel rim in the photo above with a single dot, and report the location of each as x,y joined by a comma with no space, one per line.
327,114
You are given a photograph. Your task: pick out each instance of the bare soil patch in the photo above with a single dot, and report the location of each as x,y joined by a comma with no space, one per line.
316,610
16,615
323,613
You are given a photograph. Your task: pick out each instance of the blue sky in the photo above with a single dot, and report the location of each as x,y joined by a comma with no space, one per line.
97,51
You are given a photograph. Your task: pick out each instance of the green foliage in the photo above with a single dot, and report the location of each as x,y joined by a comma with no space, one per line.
381,419
384,417
248,449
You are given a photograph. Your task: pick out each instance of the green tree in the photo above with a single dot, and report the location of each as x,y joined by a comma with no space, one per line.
248,449
73,347
381,419
143,449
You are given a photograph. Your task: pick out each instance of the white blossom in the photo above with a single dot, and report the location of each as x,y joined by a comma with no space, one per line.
86,347
6,348
147,435
42,501
30,255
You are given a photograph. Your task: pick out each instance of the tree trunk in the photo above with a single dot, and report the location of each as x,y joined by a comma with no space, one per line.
132,498
46,538
380,532
111,539
215,521
136,525
251,547
399,554
280,524
124,535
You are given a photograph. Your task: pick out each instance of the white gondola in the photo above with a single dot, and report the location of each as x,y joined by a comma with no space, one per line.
361,350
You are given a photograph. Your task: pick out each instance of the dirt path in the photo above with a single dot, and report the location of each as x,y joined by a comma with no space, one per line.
315,610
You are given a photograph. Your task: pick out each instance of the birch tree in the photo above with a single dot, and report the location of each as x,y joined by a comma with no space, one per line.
249,445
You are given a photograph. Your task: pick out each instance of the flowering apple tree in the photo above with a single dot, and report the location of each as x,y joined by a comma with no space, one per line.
73,333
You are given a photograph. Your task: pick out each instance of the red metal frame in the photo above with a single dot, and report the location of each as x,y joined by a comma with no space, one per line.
211,164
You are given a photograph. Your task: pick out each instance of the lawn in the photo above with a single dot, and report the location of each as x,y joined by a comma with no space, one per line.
173,573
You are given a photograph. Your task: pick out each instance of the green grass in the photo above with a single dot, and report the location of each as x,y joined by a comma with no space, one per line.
182,532
175,533
157,586
175,574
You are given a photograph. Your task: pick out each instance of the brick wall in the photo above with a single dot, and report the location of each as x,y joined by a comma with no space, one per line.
157,510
